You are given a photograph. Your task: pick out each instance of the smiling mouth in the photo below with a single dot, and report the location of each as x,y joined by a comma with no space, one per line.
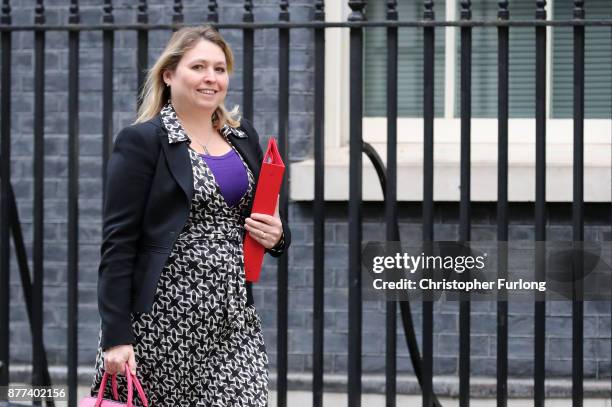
207,91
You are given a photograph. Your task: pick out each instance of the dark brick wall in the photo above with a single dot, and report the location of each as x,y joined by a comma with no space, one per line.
597,315
90,146
597,329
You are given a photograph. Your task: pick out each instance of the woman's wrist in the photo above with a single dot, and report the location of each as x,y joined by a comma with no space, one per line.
278,247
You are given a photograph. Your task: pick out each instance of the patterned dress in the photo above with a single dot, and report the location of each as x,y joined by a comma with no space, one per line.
200,345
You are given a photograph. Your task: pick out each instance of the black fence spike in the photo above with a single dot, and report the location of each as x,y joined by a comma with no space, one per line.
540,13
579,9
466,10
177,14
39,12
5,17
357,10
247,16
73,13
142,16
502,12
284,10
391,9
319,13
213,14
428,10
107,12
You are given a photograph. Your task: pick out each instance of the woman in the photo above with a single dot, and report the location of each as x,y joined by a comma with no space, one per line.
173,299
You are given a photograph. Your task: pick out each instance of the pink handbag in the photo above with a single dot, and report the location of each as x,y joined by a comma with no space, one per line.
100,402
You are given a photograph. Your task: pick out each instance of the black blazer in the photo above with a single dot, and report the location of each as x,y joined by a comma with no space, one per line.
149,187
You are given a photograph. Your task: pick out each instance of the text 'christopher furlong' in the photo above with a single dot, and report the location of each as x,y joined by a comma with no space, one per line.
454,285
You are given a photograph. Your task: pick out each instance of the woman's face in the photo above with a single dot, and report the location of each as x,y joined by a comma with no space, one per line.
200,79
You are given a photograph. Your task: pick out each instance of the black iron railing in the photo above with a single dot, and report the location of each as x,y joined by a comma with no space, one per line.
356,24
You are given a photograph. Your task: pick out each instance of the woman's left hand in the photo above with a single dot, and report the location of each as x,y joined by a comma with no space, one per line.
265,229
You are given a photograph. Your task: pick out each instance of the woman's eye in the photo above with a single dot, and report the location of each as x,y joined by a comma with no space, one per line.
220,69
197,67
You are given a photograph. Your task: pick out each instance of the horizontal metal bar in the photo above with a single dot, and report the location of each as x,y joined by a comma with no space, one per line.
314,24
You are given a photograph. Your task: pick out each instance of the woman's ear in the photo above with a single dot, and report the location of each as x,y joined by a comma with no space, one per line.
167,77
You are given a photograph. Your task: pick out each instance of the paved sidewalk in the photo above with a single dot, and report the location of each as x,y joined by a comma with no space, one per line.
482,388
304,399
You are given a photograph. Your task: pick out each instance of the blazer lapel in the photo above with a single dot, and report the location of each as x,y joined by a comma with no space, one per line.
179,162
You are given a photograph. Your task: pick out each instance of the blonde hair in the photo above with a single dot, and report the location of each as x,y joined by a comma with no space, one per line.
155,93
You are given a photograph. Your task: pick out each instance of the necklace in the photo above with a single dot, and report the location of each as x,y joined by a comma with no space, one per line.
203,145
198,141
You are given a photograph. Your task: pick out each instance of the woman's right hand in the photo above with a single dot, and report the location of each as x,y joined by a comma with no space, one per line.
115,358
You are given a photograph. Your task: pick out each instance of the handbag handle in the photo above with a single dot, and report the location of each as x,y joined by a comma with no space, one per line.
132,380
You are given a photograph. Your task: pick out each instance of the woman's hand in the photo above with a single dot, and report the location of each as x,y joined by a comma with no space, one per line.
115,358
265,229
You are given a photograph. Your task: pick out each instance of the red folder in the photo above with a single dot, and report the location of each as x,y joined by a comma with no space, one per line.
268,188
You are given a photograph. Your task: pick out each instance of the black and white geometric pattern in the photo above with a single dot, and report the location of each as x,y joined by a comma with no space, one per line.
201,345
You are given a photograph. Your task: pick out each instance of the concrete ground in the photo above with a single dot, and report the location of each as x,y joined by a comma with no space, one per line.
304,399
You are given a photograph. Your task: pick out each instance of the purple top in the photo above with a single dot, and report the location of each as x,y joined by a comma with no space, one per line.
230,174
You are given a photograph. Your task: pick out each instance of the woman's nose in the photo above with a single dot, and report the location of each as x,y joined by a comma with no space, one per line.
209,75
